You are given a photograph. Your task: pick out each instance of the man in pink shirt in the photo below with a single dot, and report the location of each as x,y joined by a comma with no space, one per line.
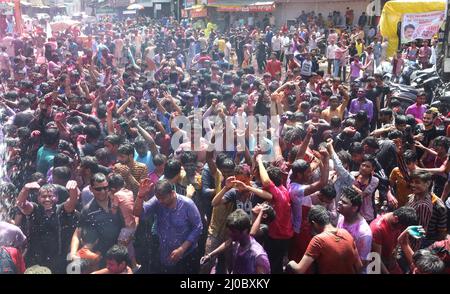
418,109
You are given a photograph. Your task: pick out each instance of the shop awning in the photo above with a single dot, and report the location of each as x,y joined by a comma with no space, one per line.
129,12
244,6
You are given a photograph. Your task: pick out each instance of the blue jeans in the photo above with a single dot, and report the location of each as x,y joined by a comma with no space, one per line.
336,67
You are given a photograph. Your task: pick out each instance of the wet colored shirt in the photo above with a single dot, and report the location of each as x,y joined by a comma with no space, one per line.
175,226
247,259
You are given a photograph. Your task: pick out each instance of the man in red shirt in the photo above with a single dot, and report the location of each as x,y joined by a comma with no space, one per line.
273,67
280,230
386,229
332,250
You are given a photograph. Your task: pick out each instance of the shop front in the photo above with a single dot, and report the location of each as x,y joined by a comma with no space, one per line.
288,10
241,13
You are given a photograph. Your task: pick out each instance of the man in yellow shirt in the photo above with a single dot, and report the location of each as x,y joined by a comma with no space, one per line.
360,46
335,109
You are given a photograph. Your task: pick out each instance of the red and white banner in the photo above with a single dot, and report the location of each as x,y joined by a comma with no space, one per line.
421,25
248,8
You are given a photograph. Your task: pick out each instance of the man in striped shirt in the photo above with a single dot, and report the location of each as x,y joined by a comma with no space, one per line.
437,227
131,171
420,200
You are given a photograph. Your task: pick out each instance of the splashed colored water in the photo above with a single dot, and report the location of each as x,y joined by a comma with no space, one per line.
5,204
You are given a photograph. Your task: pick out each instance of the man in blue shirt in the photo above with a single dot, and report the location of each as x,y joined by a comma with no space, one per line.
179,226
47,152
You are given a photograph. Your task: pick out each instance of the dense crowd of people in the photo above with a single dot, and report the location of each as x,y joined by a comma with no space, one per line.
115,161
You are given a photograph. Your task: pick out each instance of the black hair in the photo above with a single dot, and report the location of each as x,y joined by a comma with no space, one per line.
188,157
424,176
140,143
98,178
163,187
328,191
319,215
91,131
395,102
239,220
386,111
113,139
411,120
245,86
89,162
372,142
126,149
335,122
409,26
271,214
298,166
118,253
427,262
172,169
353,196
242,169
350,122
442,141
62,172
159,159
101,154
297,133
275,175
88,235
400,120
61,159
370,158
395,134
410,156
116,181
225,162
406,215
50,136
356,148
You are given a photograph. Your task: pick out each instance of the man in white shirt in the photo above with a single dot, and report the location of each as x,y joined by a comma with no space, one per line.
433,52
276,45
312,44
227,51
331,54
287,46
306,69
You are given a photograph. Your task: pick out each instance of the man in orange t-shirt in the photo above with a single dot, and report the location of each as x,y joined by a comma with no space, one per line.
332,250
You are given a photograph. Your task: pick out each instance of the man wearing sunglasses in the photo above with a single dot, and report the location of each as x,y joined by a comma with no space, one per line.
99,216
